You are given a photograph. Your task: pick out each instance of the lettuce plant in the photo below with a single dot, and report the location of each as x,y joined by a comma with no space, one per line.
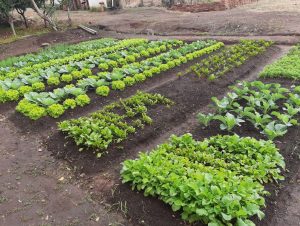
82,100
102,91
55,110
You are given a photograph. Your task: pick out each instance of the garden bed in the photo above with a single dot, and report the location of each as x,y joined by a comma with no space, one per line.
184,90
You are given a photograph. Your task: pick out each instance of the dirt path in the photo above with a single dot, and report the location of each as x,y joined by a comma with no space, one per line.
36,189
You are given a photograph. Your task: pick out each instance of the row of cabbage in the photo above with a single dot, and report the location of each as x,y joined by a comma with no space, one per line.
54,103
59,51
13,89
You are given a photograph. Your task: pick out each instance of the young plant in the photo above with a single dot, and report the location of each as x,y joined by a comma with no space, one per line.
229,121
55,110
102,91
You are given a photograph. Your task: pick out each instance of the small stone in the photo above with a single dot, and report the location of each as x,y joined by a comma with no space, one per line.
45,44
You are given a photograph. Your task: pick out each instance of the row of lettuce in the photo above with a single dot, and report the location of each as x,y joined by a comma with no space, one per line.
49,88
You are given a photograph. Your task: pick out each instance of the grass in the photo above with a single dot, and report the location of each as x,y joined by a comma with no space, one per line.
21,33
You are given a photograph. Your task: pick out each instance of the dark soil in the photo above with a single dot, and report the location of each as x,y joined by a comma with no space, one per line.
191,95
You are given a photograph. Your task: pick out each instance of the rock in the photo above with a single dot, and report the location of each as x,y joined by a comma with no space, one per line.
45,44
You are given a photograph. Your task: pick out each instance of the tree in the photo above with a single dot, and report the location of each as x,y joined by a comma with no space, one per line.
6,8
47,12
68,4
21,6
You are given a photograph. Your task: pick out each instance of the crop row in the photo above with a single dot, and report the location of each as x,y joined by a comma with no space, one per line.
56,52
12,90
270,108
70,62
287,67
228,58
216,181
36,105
113,123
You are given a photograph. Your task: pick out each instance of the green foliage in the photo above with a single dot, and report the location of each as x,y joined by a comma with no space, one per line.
38,86
139,77
216,181
287,67
30,110
55,110
33,71
69,104
106,126
129,81
103,66
268,107
53,81
118,85
25,89
12,95
103,91
82,100
227,59
66,78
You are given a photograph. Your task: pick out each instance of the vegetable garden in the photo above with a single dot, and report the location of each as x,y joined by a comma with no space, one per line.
174,120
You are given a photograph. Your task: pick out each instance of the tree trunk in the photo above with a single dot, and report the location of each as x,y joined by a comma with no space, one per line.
12,26
69,16
43,16
22,13
25,20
